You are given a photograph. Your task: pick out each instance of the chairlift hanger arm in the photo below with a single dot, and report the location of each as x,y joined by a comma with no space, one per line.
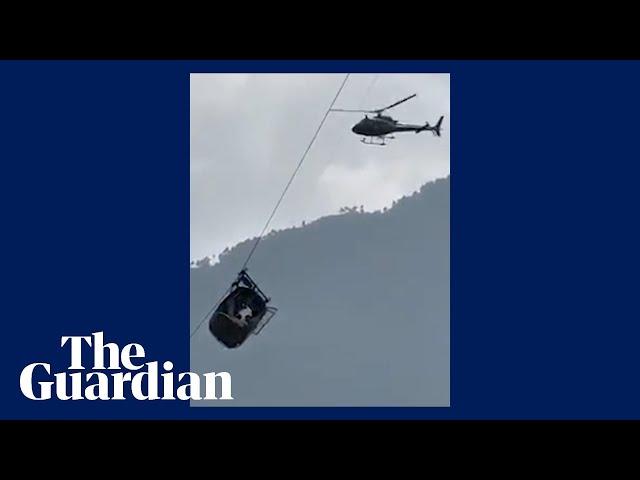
244,276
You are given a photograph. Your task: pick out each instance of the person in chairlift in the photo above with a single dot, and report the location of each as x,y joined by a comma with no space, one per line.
243,315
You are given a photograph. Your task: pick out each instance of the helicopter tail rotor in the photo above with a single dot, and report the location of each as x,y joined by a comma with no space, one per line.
436,129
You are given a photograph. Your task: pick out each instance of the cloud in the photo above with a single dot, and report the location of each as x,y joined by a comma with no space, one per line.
249,130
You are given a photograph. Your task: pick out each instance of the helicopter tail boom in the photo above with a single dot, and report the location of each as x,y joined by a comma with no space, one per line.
435,129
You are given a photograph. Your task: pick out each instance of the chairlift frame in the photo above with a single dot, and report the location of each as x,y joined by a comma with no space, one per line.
225,324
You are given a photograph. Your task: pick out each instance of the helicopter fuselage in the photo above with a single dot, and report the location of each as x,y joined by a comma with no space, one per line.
382,125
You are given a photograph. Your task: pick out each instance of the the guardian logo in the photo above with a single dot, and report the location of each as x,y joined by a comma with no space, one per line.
143,381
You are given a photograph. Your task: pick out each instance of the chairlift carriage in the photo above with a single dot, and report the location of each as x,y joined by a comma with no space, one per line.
242,312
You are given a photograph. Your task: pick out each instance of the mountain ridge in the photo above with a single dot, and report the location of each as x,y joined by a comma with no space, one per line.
349,288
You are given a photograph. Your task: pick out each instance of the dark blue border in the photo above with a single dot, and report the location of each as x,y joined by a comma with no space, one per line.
544,162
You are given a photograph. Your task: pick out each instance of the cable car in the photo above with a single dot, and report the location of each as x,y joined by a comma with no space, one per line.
243,311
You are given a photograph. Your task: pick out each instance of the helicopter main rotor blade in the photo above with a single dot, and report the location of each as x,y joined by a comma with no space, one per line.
356,111
379,110
396,104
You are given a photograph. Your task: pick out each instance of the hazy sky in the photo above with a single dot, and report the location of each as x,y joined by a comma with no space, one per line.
248,132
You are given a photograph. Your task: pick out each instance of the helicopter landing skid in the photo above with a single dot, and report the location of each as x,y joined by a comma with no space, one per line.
381,143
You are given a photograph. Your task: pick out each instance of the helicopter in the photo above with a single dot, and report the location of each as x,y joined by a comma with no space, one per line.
381,126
